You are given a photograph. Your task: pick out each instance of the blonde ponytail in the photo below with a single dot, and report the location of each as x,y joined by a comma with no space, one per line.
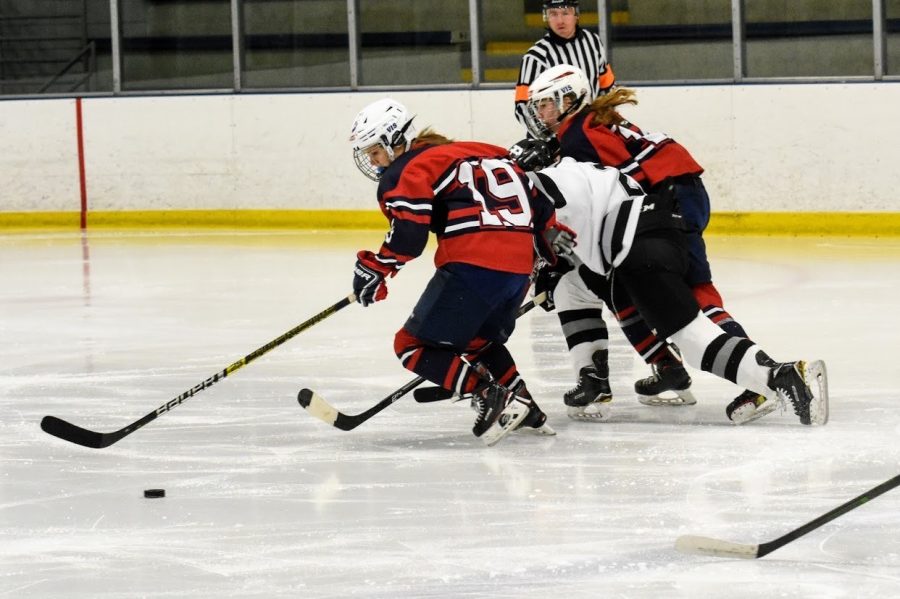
604,107
430,137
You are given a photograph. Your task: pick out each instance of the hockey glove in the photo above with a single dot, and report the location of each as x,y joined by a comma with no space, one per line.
368,279
546,281
534,154
561,239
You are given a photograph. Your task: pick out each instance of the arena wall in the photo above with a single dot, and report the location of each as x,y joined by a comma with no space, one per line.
776,156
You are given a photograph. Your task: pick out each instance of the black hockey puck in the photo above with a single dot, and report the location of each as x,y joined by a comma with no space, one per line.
154,493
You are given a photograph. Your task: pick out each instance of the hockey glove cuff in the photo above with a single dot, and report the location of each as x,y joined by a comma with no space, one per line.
368,279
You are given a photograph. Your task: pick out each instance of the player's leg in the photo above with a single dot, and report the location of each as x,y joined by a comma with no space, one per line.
739,360
654,279
580,313
694,205
447,321
668,373
494,357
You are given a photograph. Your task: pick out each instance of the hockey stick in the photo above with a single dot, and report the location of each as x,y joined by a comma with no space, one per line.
717,548
93,439
321,409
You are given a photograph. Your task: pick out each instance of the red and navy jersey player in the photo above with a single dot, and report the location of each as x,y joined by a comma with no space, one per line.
489,221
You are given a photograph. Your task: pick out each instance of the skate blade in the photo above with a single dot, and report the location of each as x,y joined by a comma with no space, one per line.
682,398
817,380
599,412
543,430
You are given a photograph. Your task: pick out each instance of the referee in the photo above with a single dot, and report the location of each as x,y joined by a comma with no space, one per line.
564,43
580,311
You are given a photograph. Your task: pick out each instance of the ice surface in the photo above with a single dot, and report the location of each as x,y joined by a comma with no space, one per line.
265,501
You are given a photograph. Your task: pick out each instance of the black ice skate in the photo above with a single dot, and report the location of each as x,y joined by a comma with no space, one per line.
497,412
668,375
589,399
805,385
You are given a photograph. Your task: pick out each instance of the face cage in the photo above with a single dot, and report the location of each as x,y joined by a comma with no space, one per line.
533,121
365,165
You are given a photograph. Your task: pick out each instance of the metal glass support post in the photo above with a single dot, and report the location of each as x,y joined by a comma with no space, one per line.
115,38
475,40
237,42
879,41
739,40
355,39
604,28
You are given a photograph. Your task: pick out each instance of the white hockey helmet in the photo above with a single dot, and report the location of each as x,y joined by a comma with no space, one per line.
555,85
386,123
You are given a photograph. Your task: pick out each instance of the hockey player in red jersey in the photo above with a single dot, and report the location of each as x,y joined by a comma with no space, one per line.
559,108
488,220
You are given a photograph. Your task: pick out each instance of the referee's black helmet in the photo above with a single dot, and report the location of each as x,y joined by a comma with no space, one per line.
559,3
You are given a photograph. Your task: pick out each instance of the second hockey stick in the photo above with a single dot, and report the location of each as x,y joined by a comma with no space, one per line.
716,548
96,440
324,411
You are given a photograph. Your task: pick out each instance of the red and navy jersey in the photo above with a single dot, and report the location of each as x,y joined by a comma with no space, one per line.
647,157
482,208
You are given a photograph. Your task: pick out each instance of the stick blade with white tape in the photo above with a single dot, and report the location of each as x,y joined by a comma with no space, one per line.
317,406
716,548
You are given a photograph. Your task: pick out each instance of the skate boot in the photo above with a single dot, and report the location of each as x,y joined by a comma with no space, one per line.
497,412
749,406
535,421
589,399
668,375
805,385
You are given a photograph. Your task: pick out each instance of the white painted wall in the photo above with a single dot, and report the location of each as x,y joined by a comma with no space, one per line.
823,147
38,156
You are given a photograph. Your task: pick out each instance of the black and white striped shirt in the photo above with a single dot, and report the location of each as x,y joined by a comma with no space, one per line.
583,51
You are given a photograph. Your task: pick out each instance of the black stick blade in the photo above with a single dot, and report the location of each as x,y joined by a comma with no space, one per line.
431,394
74,434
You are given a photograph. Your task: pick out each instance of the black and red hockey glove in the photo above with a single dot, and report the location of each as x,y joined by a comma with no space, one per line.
368,279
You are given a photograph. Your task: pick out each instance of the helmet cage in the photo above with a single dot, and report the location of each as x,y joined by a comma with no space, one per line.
365,166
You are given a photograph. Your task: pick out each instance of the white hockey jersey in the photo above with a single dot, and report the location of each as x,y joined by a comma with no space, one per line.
602,206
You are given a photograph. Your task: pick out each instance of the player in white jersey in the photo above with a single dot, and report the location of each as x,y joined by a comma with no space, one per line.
637,242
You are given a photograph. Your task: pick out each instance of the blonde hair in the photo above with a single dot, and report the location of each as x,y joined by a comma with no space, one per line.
604,107
430,137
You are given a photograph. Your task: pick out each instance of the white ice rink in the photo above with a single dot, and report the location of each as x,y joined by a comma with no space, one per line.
263,500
